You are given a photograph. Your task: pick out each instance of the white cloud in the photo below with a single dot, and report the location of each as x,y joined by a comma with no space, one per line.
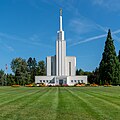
99,2
32,41
112,5
10,48
94,38
11,37
69,5
82,25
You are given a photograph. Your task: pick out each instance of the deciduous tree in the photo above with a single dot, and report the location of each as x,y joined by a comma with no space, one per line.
20,69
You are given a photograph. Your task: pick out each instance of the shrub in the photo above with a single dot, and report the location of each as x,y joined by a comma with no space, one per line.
87,85
107,85
65,85
80,85
93,85
29,85
42,85
15,85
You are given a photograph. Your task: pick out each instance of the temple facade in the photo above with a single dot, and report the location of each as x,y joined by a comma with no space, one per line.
61,69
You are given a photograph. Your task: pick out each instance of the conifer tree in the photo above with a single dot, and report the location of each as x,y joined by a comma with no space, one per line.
119,56
109,65
119,66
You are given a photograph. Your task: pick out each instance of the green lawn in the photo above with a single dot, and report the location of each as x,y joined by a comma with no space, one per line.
60,103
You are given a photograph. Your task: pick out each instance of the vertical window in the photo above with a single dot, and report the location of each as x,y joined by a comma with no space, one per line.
51,68
69,68
81,81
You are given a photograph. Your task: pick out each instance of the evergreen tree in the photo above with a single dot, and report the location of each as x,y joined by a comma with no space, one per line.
32,68
2,77
119,56
10,79
109,65
41,68
119,66
29,64
96,76
77,72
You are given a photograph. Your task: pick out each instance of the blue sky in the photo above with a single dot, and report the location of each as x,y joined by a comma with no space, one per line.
28,28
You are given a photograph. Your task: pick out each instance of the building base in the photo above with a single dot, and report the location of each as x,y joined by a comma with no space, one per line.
60,80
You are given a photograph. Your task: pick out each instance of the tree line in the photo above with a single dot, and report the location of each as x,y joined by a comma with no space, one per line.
108,71
24,71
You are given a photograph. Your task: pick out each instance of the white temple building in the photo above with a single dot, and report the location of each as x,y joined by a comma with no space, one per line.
61,69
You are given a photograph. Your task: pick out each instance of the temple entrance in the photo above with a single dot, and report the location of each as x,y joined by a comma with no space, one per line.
61,82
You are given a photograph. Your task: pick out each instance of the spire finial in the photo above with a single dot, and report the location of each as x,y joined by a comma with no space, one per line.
60,11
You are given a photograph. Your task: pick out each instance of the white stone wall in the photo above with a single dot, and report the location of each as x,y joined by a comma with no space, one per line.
51,65
60,57
56,58
71,59
63,57
72,80
48,63
43,79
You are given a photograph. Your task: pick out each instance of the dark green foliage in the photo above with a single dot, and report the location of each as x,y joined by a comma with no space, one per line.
109,65
25,72
19,67
92,76
32,68
119,66
10,79
35,68
6,79
2,77
96,76
41,68
119,56
79,72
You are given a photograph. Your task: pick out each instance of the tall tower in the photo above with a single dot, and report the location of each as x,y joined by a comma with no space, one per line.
61,69
60,50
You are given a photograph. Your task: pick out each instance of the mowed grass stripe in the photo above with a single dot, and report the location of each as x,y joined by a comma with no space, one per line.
43,108
108,97
71,107
60,103
7,90
19,93
111,92
111,101
89,109
12,107
14,93
104,108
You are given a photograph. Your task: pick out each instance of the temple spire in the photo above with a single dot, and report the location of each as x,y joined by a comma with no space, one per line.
60,11
60,19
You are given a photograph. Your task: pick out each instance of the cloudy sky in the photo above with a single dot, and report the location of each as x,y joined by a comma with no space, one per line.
28,28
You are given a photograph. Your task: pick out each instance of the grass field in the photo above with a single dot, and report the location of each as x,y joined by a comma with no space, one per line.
60,103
